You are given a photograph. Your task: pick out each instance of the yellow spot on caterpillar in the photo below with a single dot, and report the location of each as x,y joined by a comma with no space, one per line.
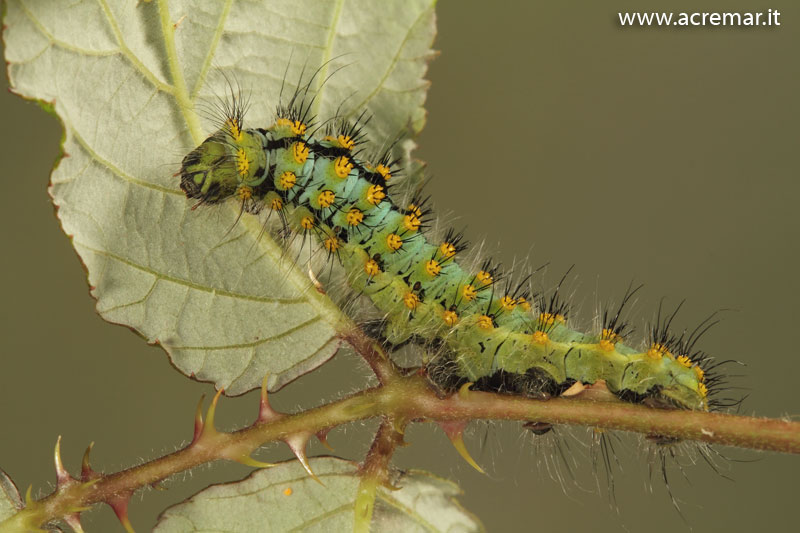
287,180
383,170
411,222
485,322
342,166
524,304
606,345
242,163
276,204
484,278
548,319
608,339
300,152
415,210
331,244
372,268
306,222
540,337
448,249
508,303
354,217
288,491
346,142
702,390
469,292
411,300
450,318
657,351
394,242
326,198
298,128
699,373
684,361
233,128
609,335
244,192
433,267
375,194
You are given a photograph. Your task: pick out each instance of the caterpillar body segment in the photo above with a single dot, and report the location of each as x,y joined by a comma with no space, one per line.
322,187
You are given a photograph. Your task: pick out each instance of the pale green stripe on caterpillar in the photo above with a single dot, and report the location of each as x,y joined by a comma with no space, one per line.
321,187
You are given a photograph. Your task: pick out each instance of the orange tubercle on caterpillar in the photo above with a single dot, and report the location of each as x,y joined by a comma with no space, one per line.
300,152
485,322
524,304
342,166
331,244
354,217
242,163
375,194
657,351
507,303
411,300
287,180
298,128
371,268
383,170
411,222
307,222
244,192
346,142
450,318
433,268
326,198
684,361
276,204
234,129
699,373
394,242
447,249
469,292
608,340
484,278
414,209
540,337
549,319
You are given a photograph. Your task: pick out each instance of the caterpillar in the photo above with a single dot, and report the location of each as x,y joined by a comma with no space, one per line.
495,335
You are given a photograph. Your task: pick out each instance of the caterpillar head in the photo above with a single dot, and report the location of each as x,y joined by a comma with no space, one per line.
230,162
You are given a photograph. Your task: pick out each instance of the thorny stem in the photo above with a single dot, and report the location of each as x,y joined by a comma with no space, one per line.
411,398
375,470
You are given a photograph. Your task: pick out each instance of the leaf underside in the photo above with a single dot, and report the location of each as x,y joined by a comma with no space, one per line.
285,498
220,297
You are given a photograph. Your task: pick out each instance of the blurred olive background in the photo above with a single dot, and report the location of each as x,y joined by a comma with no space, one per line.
665,156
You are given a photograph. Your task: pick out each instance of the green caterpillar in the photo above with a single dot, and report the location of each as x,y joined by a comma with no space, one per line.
499,340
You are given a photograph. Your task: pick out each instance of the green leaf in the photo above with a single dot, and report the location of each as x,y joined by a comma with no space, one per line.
285,498
128,81
10,502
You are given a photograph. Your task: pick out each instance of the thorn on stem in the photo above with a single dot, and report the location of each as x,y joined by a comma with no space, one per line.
265,411
454,429
119,503
322,437
297,443
74,521
249,461
87,472
208,428
62,476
